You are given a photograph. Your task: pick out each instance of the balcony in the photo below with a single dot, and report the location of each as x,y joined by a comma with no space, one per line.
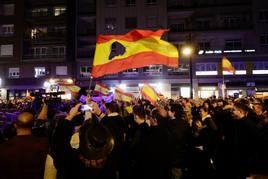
44,57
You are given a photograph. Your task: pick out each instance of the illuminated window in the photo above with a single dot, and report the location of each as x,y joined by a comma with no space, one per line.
61,70
7,29
39,71
6,50
38,32
38,12
14,72
59,11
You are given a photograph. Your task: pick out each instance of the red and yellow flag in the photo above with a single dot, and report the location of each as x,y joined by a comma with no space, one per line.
149,93
101,89
227,65
123,96
142,48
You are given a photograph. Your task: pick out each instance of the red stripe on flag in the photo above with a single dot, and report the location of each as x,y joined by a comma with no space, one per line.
135,61
132,36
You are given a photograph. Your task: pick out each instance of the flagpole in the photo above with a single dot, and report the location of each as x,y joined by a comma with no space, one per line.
89,86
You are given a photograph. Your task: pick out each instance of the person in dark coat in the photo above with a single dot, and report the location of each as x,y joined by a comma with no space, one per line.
180,132
149,149
93,157
24,155
245,140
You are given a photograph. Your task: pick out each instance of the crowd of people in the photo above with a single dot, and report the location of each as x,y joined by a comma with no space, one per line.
174,138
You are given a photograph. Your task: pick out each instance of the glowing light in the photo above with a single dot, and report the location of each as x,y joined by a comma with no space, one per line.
200,73
123,86
70,81
46,84
52,81
260,72
187,51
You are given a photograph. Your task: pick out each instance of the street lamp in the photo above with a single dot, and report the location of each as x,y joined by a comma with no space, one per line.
187,52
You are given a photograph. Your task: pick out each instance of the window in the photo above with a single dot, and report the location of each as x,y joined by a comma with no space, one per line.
60,29
8,9
206,69
153,69
7,29
177,27
39,71
204,45
130,2
130,22
61,70
203,24
39,12
150,2
263,15
14,72
59,11
260,68
40,51
38,32
110,23
131,72
85,72
264,40
110,3
233,44
231,22
151,21
59,50
6,50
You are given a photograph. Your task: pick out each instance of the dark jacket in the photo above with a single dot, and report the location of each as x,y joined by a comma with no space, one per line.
23,157
66,158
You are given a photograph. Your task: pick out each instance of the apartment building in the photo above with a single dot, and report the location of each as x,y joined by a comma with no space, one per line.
34,48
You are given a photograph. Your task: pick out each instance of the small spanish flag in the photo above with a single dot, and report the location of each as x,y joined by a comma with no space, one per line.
227,65
102,89
123,96
149,93
141,48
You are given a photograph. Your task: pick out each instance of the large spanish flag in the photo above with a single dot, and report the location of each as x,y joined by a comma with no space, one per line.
227,65
149,93
142,48
102,89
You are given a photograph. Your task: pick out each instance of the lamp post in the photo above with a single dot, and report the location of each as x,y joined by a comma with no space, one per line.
187,52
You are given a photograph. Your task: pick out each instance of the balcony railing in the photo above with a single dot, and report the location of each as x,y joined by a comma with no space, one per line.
42,56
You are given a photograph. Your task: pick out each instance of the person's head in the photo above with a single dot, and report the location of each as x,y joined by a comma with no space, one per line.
176,110
258,108
139,114
96,143
24,123
203,111
241,109
112,107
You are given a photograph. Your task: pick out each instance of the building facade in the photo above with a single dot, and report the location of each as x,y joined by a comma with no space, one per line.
236,29
34,48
